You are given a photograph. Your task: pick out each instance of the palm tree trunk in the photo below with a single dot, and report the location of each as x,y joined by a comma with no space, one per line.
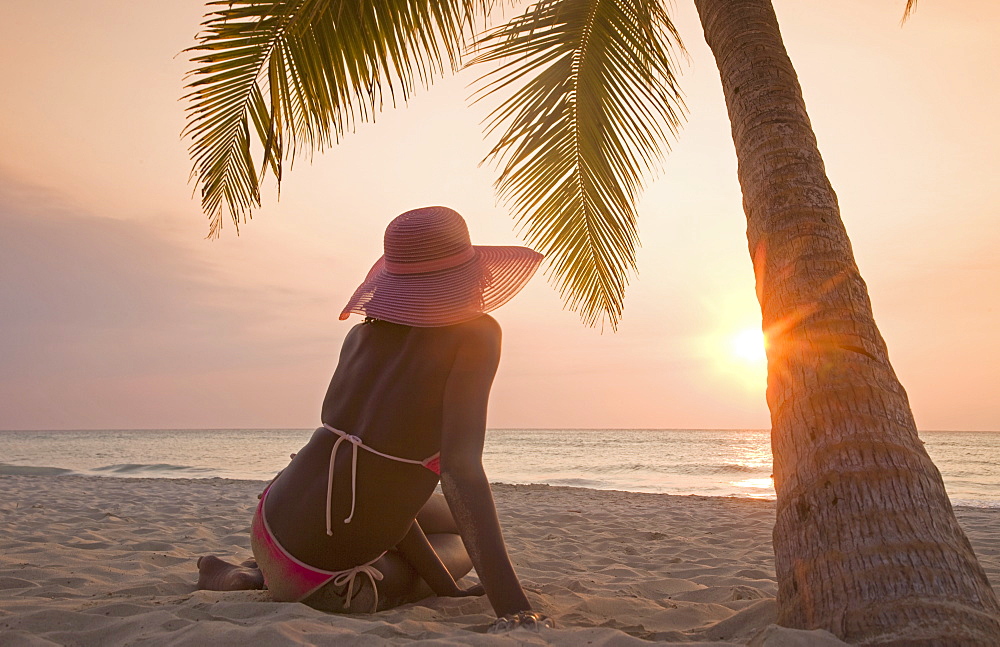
866,543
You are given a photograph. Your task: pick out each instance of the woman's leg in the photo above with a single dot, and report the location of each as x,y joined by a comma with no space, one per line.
215,574
435,517
401,583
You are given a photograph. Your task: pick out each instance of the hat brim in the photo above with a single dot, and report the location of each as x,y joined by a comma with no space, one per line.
445,297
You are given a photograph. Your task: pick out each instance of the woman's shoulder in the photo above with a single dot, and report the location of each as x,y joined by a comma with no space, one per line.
482,327
481,331
479,342
484,323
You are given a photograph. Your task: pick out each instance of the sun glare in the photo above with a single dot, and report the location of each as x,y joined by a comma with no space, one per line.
748,345
735,345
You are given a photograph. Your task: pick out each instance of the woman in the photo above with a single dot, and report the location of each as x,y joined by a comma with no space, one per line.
352,524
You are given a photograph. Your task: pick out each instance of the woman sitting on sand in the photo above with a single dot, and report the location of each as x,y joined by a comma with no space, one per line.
353,524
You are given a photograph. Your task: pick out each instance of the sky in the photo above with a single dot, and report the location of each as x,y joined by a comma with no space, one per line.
116,312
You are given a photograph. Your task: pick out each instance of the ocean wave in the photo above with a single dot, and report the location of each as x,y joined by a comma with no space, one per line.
726,468
614,468
577,482
154,468
32,470
976,503
707,463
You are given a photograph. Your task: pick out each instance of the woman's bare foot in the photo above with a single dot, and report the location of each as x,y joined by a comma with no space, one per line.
215,574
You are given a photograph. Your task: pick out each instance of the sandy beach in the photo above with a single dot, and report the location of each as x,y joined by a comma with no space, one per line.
104,561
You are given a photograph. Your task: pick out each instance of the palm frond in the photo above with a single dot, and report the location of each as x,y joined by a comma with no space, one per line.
591,102
304,72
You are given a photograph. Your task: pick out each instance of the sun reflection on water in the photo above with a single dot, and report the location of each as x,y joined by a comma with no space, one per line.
764,487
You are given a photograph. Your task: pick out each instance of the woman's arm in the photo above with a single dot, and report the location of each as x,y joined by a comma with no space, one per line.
463,480
421,555
472,505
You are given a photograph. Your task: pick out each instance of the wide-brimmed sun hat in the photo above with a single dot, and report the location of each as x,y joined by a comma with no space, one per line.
432,275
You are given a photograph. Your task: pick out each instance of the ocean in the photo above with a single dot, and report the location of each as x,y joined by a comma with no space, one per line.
672,461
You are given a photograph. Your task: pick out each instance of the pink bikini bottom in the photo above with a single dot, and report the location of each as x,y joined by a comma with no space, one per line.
292,580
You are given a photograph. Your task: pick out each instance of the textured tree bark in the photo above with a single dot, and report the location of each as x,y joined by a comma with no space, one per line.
866,543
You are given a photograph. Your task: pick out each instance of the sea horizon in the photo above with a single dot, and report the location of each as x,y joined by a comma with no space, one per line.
705,462
307,428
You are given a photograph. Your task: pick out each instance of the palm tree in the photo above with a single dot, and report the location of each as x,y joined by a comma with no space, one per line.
866,543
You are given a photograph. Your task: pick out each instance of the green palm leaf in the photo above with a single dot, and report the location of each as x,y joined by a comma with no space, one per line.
591,101
284,74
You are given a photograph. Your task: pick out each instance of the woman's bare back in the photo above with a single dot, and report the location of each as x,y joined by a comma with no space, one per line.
388,390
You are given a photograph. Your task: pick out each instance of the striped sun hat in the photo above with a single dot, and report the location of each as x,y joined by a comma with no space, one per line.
432,275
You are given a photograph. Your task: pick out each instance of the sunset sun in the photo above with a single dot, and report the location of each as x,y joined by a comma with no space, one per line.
737,351
748,345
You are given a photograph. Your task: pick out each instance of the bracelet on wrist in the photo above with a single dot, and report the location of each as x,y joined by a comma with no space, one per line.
526,619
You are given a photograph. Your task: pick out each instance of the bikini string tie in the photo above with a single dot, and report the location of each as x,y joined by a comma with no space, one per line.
355,442
348,577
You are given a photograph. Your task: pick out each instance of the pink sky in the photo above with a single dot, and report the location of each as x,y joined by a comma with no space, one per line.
117,313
